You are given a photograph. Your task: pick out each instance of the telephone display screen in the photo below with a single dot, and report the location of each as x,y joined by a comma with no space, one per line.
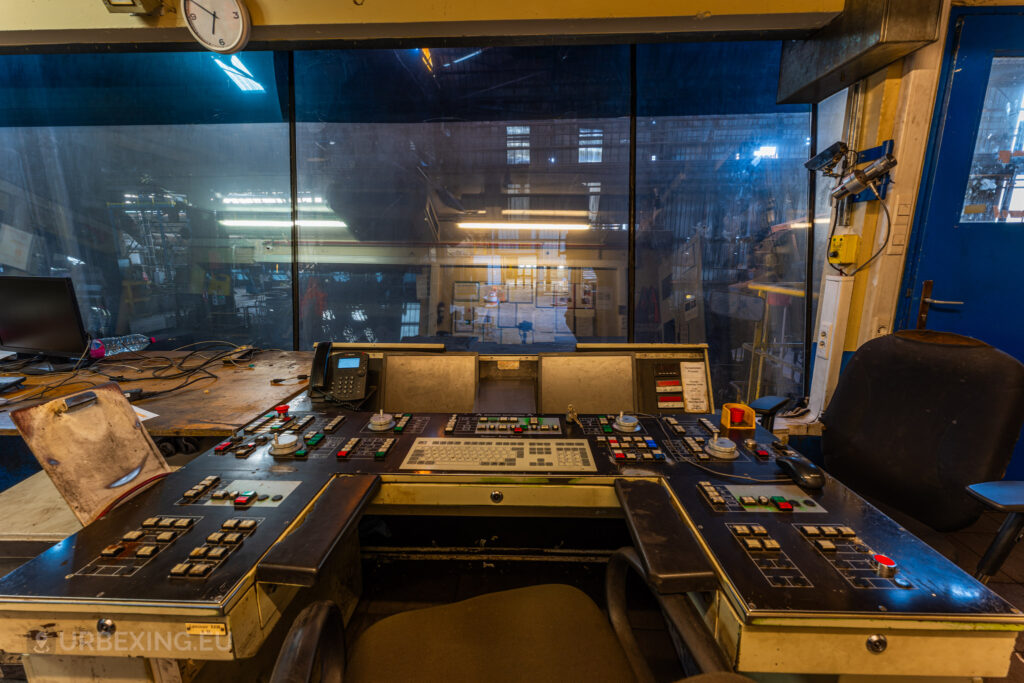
345,363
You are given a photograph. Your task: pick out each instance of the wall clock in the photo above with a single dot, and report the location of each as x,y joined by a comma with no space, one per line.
219,25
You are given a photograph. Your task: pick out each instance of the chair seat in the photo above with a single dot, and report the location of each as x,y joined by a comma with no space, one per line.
1006,496
540,633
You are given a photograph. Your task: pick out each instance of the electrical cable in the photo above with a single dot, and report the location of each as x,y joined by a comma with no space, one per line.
873,186
888,229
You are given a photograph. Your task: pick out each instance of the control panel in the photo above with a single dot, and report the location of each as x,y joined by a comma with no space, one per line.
785,543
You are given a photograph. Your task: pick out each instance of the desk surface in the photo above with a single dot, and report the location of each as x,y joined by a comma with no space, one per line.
210,407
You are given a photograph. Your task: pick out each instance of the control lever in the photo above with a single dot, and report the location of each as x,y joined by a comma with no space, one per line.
572,416
299,558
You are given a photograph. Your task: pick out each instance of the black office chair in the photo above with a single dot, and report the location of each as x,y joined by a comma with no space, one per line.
919,415
539,633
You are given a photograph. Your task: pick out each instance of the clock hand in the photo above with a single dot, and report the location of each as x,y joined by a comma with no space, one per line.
213,28
193,2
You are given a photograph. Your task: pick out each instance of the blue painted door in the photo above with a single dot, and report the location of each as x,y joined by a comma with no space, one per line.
968,239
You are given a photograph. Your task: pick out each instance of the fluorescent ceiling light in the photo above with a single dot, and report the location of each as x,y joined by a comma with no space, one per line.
498,225
245,223
542,212
247,209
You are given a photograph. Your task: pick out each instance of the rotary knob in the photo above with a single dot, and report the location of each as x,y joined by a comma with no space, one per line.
381,422
626,423
284,444
721,448
885,566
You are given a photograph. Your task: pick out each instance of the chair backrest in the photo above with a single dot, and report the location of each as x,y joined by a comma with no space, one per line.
917,416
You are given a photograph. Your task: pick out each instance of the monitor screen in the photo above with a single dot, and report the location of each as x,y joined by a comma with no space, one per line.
40,315
348,363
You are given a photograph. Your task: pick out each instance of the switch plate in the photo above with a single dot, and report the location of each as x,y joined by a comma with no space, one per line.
825,341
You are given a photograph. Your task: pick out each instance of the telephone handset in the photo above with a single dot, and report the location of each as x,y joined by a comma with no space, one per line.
339,375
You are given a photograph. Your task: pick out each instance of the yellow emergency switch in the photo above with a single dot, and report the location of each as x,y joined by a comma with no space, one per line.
842,249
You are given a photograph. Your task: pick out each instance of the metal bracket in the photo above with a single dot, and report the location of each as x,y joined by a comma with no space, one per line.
867,156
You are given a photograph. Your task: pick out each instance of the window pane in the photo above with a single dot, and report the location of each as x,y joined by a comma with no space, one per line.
475,196
995,188
722,212
149,180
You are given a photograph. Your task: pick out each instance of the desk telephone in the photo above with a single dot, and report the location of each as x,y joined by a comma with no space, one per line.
340,375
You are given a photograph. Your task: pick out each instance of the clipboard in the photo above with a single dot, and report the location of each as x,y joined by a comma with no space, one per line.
93,447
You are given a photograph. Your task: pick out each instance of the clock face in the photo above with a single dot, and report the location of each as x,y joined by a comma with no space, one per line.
218,25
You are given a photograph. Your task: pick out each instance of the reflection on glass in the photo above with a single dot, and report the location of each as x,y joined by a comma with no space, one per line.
721,213
995,187
481,199
831,128
153,182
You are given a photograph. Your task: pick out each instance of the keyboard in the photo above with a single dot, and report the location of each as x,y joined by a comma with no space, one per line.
500,455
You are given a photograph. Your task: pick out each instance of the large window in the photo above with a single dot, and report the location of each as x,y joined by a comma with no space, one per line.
479,196
475,196
722,226
152,181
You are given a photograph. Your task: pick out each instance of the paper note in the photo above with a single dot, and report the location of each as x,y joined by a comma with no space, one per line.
695,388
143,413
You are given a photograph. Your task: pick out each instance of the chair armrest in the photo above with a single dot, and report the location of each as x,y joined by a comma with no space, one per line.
672,560
677,609
1005,496
300,557
317,636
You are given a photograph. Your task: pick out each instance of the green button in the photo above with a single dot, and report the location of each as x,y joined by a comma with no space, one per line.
607,429
779,499
379,455
302,453
493,419
315,439
398,430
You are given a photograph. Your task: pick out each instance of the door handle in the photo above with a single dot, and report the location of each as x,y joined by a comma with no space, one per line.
927,301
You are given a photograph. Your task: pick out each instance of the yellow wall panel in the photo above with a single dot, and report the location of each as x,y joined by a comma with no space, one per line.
55,21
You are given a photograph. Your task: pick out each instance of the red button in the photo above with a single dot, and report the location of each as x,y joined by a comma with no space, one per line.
737,415
223,446
885,560
281,410
783,505
762,453
619,455
518,430
342,454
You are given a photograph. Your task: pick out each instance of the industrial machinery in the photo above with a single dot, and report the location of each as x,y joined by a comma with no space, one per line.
791,571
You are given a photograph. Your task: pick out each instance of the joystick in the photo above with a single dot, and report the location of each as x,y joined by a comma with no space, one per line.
284,444
721,447
381,422
626,423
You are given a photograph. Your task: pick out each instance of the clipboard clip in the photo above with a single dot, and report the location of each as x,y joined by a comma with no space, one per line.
77,401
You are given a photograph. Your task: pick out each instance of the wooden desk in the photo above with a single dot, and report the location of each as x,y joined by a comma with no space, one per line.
210,407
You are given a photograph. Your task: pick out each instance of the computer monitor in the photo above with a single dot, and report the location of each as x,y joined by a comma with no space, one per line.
40,316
